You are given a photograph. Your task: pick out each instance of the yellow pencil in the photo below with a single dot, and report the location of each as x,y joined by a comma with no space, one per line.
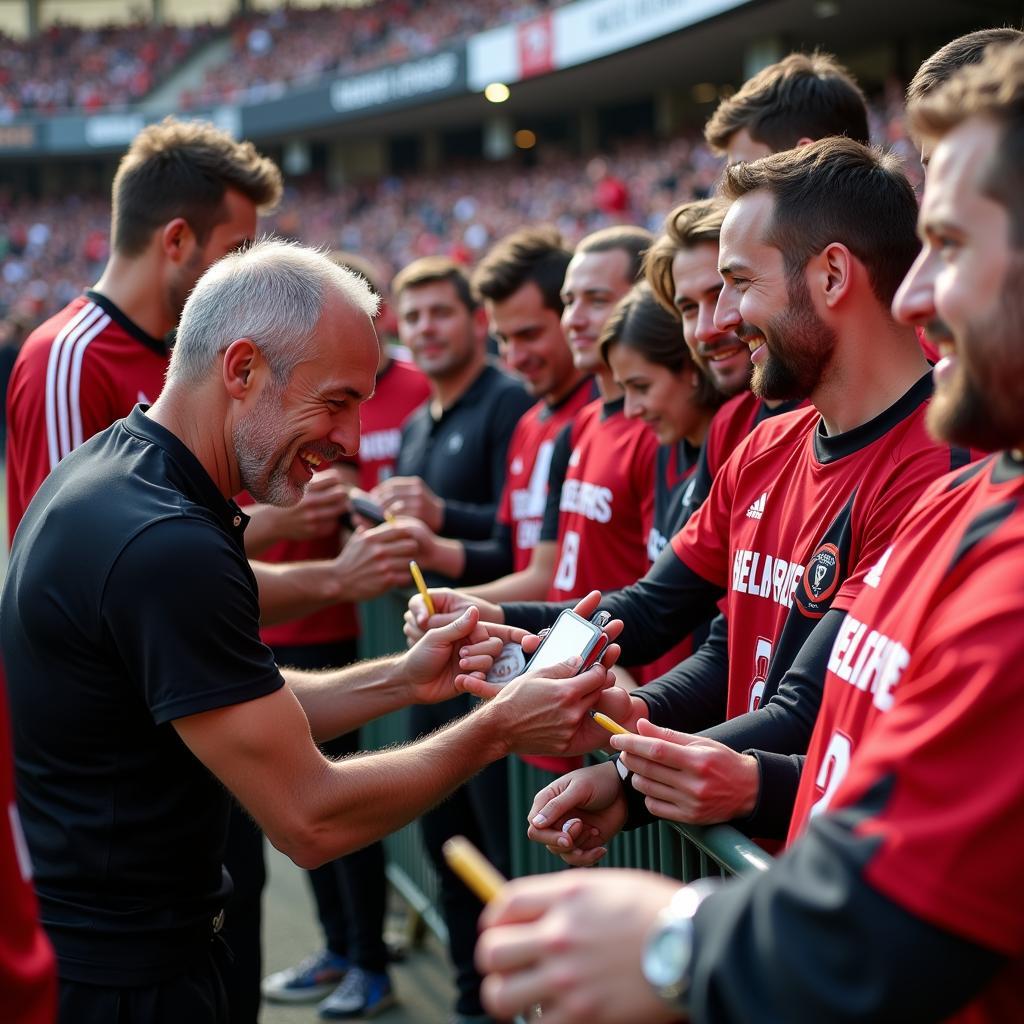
421,586
608,723
388,516
473,867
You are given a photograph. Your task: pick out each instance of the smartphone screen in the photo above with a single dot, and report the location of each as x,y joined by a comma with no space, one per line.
570,636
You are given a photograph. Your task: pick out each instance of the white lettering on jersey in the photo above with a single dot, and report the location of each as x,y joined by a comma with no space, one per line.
765,576
527,534
529,501
380,444
834,766
565,575
757,509
586,499
762,659
869,660
874,576
656,542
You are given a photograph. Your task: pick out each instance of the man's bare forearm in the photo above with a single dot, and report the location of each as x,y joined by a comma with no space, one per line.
367,796
338,701
296,589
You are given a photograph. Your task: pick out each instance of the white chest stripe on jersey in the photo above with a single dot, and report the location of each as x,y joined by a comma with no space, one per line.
63,381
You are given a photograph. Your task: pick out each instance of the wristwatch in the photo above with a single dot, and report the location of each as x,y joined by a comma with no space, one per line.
668,954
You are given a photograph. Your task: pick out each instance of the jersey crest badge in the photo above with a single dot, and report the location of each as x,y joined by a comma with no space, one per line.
819,582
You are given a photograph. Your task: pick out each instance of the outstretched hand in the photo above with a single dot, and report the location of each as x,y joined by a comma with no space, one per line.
577,815
688,778
572,942
465,645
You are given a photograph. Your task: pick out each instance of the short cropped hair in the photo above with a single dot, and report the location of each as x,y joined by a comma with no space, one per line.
992,89
535,254
627,238
836,190
182,169
431,270
640,322
359,265
960,53
801,96
687,226
274,293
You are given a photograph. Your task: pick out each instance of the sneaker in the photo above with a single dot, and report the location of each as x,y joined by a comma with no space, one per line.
360,994
307,981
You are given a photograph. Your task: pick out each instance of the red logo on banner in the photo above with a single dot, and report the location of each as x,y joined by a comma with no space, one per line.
536,41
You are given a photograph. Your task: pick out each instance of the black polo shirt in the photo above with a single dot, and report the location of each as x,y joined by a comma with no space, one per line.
461,455
128,603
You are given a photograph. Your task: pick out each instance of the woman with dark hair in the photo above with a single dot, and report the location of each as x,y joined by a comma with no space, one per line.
643,345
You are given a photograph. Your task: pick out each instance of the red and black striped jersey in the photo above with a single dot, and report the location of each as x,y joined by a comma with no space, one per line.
606,508
529,461
86,367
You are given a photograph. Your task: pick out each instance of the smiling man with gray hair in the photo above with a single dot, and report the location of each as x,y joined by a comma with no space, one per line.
140,689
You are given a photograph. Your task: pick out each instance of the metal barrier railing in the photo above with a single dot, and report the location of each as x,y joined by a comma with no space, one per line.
686,852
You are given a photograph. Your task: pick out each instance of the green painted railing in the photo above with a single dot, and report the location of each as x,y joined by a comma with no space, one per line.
685,852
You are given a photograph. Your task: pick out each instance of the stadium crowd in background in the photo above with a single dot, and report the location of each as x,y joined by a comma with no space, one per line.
792,569
65,67
69,68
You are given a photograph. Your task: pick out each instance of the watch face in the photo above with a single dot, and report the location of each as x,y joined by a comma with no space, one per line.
667,955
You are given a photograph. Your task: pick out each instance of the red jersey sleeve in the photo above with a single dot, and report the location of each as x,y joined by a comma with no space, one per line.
888,511
703,543
949,825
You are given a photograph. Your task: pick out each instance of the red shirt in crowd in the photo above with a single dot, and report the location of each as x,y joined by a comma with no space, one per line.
796,518
529,462
28,980
86,367
923,697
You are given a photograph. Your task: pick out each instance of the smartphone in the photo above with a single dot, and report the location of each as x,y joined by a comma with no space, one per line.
571,635
367,509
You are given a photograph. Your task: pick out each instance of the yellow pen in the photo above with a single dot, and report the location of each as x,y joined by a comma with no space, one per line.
473,867
608,723
421,586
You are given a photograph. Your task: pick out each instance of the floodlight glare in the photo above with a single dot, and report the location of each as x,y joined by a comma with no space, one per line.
496,92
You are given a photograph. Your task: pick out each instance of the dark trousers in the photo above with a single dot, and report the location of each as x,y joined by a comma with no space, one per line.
351,893
245,863
243,916
478,810
196,996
